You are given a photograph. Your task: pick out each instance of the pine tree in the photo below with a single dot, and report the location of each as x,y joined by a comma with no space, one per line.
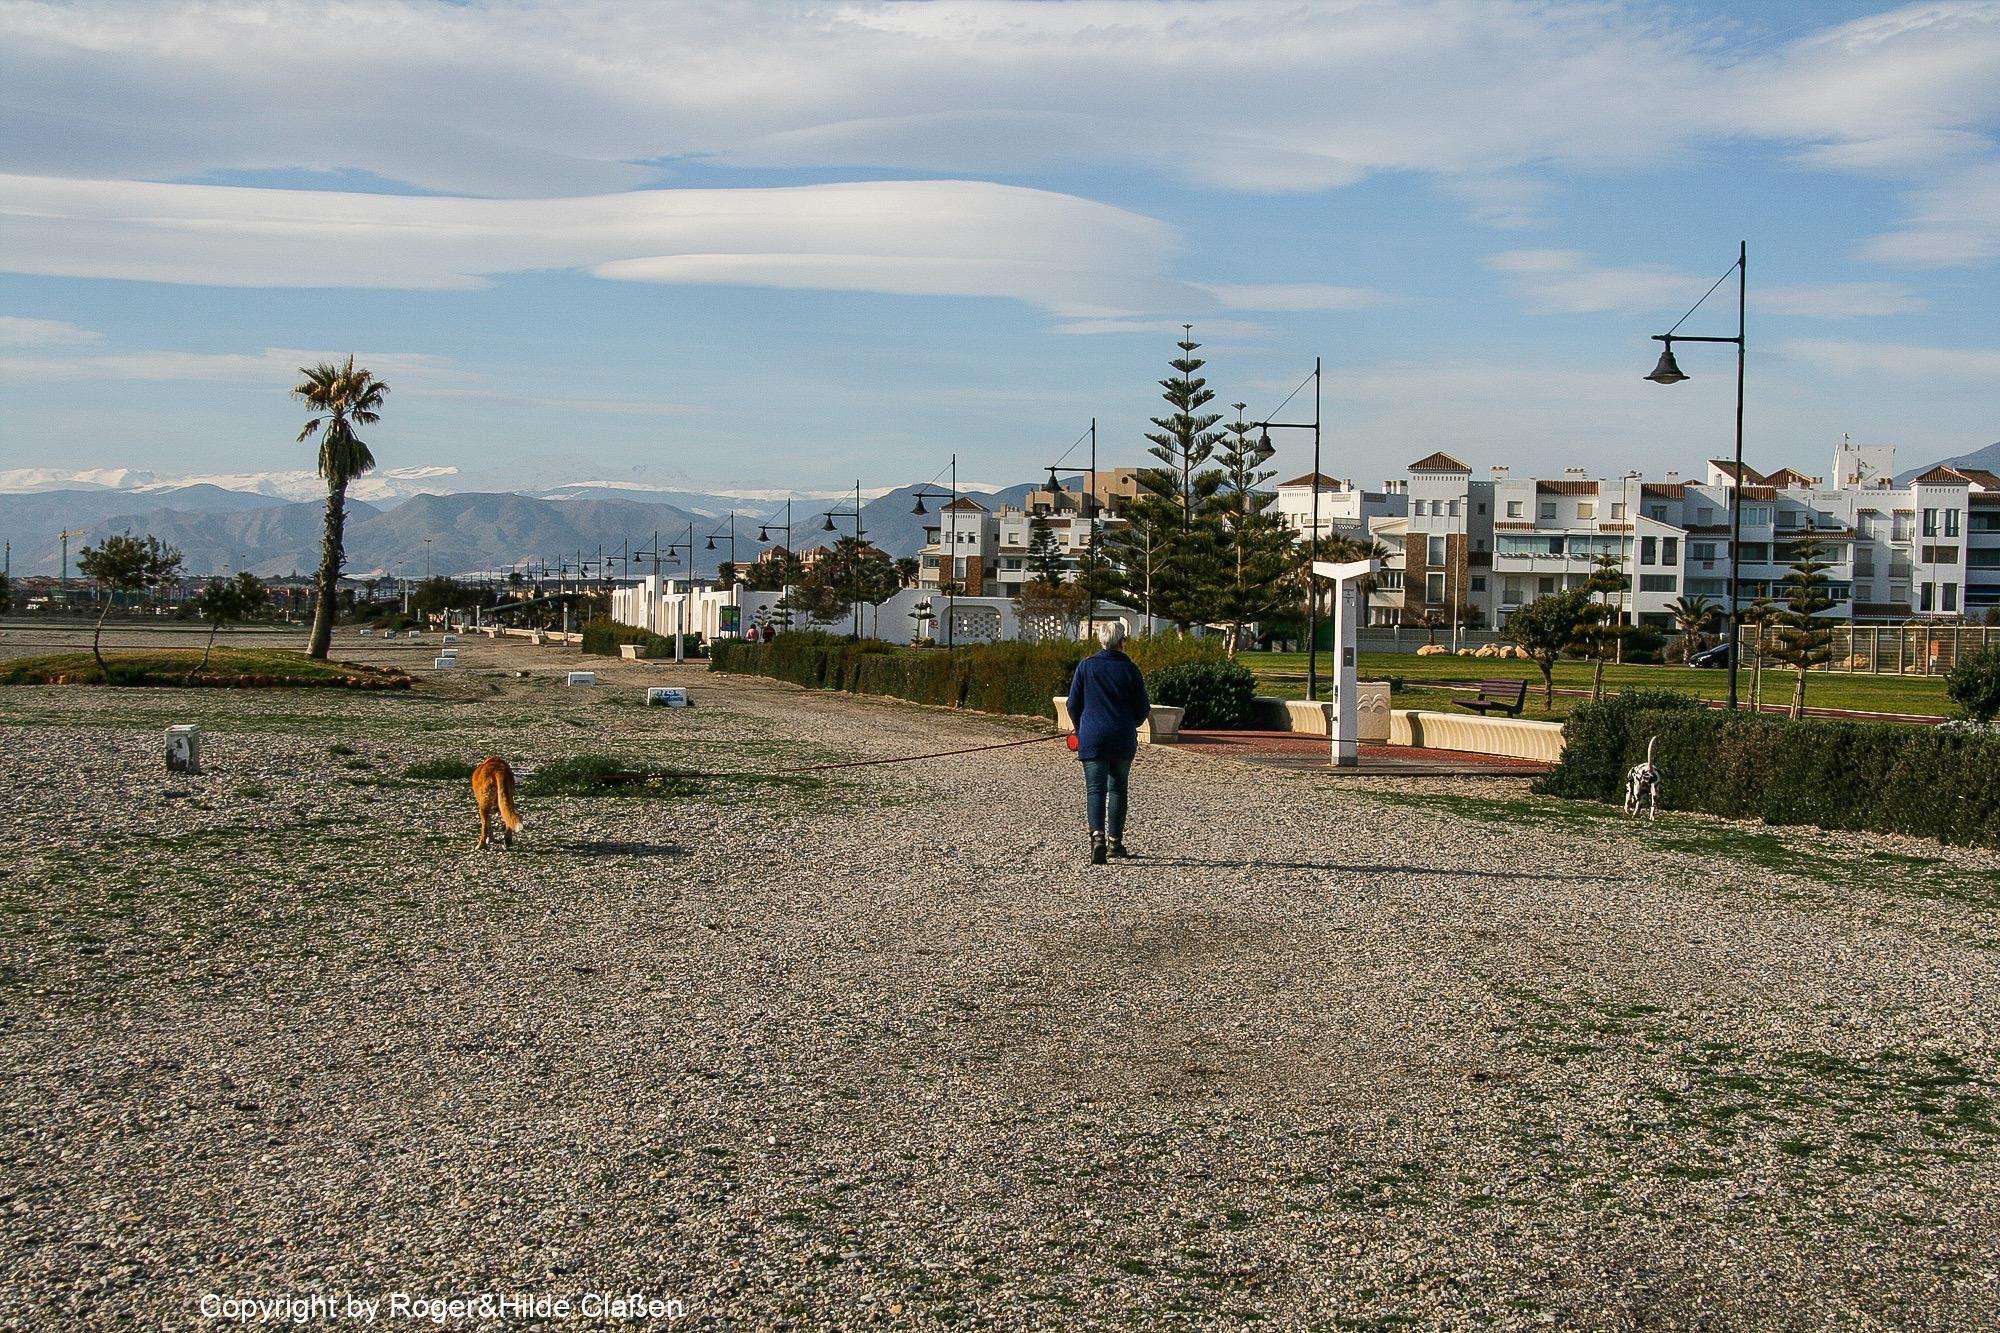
1045,553
1599,633
1171,548
1257,544
1805,641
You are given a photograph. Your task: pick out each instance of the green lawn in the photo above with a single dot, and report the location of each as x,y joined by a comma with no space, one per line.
227,668
1283,674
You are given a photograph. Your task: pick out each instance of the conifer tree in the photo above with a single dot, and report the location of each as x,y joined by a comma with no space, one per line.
1803,640
1256,542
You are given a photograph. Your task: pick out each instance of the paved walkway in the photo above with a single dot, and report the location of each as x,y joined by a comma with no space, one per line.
1289,749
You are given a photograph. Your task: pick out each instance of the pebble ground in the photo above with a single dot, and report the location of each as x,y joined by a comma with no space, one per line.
885,1052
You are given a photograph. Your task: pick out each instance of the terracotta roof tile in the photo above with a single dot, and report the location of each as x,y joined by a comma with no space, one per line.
1439,462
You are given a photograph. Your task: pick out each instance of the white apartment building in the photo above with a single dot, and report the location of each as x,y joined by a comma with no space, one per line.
987,553
1929,549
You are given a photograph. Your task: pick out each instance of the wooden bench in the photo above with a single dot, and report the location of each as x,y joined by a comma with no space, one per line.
1501,696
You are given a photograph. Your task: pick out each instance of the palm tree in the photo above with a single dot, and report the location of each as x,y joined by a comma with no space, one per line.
341,398
1691,615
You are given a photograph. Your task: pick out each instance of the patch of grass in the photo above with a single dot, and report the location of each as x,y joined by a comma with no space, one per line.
606,775
175,668
440,770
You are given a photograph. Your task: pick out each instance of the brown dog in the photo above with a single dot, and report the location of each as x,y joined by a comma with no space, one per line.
493,791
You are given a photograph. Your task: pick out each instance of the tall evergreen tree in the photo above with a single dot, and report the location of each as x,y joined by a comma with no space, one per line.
1186,437
1803,640
1256,542
1045,552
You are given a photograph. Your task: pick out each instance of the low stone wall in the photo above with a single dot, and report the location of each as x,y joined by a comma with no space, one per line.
1164,728
1513,737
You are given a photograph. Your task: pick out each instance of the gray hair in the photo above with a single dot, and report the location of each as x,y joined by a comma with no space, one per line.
1111,633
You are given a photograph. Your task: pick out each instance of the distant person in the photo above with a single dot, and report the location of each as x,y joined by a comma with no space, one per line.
1107,704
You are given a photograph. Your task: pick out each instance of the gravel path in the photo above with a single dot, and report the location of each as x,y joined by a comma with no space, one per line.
885,1051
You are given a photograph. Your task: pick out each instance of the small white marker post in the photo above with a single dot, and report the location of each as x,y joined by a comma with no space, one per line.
1346,745
184,748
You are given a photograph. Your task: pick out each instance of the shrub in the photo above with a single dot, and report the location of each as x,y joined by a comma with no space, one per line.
1156,652
439,770
603,636
1214,694
1974,684
1018,678
1869,776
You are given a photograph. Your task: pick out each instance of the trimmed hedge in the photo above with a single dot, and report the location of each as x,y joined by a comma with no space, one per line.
1214,694
603,635
1018,678
1865,776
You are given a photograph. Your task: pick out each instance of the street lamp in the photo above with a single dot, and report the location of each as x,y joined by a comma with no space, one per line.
1668,371
1312,592
859,535
950,497
1088,508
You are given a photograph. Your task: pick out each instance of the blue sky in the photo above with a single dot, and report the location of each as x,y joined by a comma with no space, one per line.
737,246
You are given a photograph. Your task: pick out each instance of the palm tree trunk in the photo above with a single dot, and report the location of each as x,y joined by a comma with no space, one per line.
326,585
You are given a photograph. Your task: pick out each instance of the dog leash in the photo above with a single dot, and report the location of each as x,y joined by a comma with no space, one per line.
859,763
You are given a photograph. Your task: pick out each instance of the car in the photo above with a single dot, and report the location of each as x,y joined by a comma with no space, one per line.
1718,656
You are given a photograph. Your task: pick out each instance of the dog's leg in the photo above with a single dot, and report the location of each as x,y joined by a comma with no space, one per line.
485,830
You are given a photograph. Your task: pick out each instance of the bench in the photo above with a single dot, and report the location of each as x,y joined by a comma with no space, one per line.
1502,696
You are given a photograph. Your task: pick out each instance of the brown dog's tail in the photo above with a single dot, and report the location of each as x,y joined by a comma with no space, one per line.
509,816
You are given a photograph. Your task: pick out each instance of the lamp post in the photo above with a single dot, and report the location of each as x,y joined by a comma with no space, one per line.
666,552
950,497
1312,590
1088,509
1668,371
859,535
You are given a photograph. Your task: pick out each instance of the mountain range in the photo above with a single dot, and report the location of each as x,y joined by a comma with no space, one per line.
1987,458
219,531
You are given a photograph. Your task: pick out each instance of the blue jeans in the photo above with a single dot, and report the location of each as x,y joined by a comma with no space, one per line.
1104,801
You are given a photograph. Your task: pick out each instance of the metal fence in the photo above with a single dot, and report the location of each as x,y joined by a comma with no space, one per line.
1916,649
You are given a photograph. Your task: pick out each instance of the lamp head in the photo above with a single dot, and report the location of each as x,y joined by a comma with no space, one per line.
1669,370
711,543
920,506
828,526
1264,438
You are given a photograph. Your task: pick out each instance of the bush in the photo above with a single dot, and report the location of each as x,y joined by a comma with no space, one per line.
1215,694
1974,684
1156,652
604,635
1867,776
1018,678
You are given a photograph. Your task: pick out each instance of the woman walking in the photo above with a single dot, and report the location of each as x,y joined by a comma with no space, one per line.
1107,704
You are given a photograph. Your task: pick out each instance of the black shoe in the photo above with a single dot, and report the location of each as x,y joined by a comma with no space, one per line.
1097,854
1118,852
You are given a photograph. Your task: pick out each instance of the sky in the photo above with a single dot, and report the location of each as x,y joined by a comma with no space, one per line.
772,246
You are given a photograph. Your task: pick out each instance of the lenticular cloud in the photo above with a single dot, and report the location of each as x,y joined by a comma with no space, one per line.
956,238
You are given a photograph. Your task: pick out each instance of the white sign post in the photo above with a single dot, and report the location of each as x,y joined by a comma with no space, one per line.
1346,601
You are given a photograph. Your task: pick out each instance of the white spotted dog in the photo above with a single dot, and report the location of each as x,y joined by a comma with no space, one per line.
1642,785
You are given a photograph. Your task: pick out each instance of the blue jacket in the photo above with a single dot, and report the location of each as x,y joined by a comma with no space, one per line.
1107,702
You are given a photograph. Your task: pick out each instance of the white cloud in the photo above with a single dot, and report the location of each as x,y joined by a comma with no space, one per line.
20,331
586,96
1900,360
1277,296
1954,222
1205,330
272,366
923,237
1568,282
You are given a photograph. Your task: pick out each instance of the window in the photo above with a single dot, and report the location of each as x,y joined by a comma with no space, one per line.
1924,596
1479,583
1512,593
1658,582
1548,509
1670,551
1482,506
1704,516
1434,551
1648,547
1586,509
1514,508
1657,513
1951,597
1547,584
1951,522
1434,588
1390,580
1454,508
1930,523
1701,550
1617,510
